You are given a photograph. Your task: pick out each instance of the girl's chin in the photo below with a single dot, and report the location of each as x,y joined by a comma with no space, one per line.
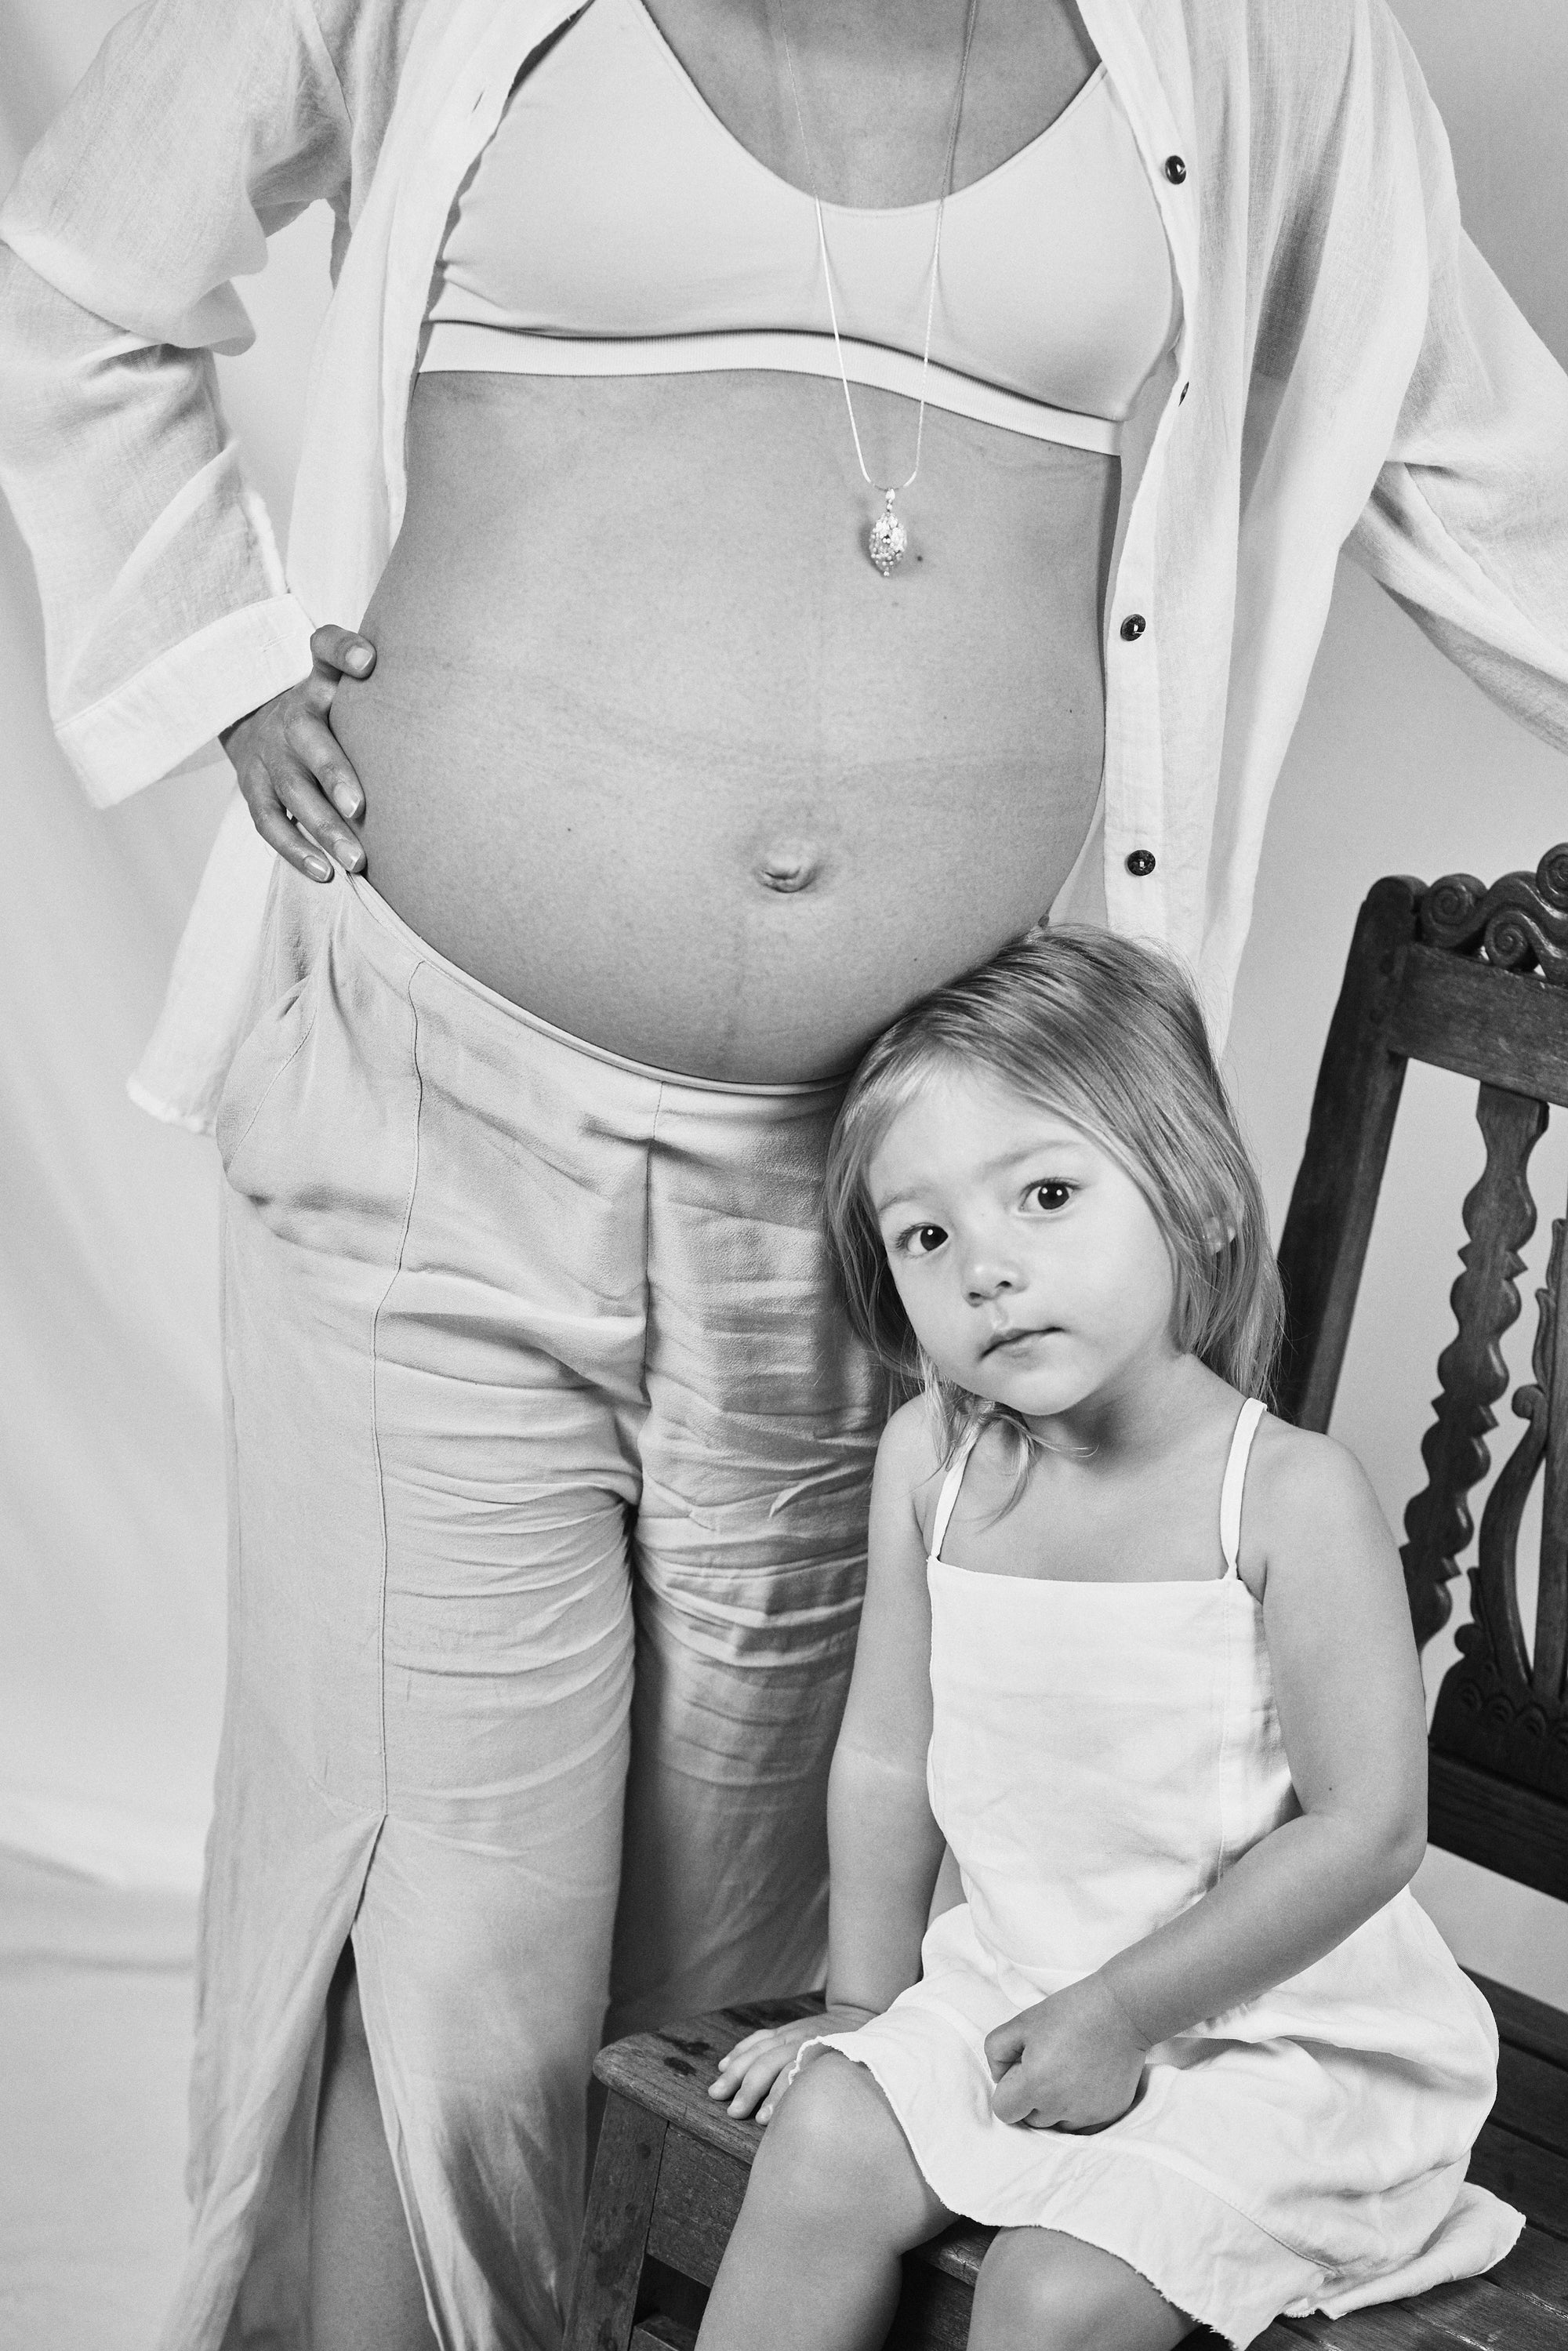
1029,1388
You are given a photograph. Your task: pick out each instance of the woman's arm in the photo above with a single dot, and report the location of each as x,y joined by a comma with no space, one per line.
1348,1686
1468,523
884,1846
197,131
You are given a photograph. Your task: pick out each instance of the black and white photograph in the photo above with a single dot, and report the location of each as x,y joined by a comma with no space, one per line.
784,1156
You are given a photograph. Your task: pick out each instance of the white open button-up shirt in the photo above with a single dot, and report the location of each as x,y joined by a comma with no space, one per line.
1347,368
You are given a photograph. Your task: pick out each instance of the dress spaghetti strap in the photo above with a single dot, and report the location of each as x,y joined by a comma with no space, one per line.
1248,1420
950,1494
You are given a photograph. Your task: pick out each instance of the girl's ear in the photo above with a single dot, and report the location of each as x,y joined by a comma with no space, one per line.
1217,1236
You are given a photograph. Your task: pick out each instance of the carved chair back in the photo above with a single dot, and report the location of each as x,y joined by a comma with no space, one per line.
1472,980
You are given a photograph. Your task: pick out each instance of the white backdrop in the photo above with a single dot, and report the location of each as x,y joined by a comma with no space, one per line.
112,1530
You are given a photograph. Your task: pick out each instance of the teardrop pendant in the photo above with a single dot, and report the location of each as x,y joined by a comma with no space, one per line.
887,537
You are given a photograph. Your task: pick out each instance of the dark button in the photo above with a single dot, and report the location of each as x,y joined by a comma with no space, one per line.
1133,627
1140,862
1185,389
1175,170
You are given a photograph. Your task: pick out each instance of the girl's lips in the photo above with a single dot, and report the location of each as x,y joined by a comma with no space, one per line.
1015,1339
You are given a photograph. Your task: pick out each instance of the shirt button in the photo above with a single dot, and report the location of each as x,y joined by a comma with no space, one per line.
1133,628
1140,862
1175,170
1185,389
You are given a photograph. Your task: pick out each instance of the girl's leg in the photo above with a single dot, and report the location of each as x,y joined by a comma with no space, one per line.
365,2293
835,2200
1042,2291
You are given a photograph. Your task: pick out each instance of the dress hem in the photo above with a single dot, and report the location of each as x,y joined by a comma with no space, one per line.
1186,2296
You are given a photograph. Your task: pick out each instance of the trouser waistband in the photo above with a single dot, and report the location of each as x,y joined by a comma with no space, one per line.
365,902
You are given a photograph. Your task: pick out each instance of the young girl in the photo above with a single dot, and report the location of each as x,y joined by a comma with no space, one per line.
1140,1656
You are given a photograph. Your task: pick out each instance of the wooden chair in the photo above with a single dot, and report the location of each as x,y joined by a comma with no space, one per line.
1473,980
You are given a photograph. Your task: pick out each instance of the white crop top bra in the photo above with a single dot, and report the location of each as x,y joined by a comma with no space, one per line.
615,227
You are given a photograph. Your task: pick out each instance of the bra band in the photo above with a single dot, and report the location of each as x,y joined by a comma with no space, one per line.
614,225
456,346
1248,1421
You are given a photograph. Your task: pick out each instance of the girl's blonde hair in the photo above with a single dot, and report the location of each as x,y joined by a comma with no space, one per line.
1106,1031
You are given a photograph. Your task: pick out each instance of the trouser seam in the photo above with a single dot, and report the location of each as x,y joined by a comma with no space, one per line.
375,1401
648,1245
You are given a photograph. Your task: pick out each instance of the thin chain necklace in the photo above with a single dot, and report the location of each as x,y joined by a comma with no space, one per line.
887,538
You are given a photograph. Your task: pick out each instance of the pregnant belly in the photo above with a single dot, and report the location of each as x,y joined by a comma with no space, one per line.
652,749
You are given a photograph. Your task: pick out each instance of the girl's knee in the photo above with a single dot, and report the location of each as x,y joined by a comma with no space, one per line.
833,2134
1042,2291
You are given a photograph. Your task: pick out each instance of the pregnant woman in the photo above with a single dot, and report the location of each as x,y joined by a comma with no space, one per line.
824,487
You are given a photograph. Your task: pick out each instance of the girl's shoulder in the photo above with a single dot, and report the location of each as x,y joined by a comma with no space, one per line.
1301,1488
915,1455
911,1459
911,1448
1290,1466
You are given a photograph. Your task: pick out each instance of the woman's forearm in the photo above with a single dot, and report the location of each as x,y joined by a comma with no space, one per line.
887,1850
1285,1904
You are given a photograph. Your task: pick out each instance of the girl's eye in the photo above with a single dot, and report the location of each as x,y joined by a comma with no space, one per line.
1050,1196
921,1240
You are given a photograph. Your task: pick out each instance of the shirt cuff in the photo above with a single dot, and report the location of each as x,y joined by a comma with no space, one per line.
169,713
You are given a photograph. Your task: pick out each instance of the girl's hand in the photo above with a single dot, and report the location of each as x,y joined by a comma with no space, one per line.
748,2072
288,761
1071,2063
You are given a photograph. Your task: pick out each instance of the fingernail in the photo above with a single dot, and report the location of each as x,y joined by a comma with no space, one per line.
359,657
346,802
318,869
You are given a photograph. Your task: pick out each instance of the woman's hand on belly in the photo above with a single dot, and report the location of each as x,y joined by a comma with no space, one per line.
293,773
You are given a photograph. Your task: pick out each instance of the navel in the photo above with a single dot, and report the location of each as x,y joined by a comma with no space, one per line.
789,866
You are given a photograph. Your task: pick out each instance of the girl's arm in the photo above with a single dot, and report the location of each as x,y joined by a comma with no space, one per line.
883,1846
1348,1686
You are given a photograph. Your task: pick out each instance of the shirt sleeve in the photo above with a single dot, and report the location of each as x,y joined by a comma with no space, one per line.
1467,526
197,131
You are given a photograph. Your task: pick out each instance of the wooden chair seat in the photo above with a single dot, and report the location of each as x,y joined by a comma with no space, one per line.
672,2171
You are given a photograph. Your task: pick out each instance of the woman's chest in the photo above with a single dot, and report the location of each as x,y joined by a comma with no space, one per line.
877,86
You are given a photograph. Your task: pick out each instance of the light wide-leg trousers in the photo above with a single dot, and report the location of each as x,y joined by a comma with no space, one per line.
550,1454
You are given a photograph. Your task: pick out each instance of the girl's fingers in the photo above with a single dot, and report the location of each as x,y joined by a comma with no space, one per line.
1011,2101
732,2065
770,2036
1004,2047
760,2076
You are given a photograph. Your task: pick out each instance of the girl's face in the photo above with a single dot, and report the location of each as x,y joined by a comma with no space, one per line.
1028,1260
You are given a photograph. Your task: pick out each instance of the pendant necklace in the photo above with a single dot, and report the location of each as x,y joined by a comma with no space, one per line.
887,540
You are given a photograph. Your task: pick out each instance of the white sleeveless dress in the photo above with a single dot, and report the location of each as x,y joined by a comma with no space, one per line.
1101,1754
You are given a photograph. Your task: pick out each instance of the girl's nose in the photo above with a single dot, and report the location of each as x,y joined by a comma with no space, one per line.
987,1278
